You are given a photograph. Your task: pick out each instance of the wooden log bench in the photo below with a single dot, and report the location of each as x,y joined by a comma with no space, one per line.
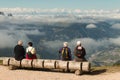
78,67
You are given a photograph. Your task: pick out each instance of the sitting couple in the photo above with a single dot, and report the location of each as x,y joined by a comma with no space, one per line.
20,52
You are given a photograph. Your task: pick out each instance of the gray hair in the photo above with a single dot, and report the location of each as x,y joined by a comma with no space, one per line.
20,42
65,44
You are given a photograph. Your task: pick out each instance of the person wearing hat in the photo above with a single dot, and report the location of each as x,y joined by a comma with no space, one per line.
79,52
19,51
65,52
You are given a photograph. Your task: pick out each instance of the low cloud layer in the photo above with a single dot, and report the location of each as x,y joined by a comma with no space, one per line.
89,26
26,15
89,43
14,28
10,33
116,26
9,39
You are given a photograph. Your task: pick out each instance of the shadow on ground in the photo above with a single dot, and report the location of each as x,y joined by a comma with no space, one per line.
97,72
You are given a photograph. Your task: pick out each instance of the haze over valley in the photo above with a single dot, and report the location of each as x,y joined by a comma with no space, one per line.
98,30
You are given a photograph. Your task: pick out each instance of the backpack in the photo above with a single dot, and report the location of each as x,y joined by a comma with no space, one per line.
79,52
65,53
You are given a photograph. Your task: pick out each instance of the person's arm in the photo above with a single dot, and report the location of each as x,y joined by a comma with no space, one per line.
83,52
75,52
60,50
33,51
70,53
59,55
23,51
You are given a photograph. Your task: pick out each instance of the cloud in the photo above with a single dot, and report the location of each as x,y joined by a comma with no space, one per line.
89,26
32,32
10,33
54,44
89,44
9,39
64,15
116,26
115,41
14,28
6,40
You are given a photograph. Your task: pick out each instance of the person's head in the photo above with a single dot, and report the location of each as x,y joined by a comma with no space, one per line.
20,42
30,43
78,43
65,44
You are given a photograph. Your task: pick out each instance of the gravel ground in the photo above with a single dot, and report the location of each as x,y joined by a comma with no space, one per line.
23,74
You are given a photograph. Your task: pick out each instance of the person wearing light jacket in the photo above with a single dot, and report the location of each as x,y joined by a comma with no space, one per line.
30,51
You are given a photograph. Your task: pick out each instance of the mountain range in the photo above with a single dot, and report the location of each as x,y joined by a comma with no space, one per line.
99,35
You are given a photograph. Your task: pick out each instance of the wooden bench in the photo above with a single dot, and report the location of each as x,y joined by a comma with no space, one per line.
78,67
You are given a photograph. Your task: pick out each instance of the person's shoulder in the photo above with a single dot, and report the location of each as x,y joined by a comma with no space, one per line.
27,48
68,48
33,48
61,47
18,46
83,47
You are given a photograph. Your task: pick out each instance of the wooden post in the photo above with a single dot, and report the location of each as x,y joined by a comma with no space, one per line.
26,63
50,64
38,63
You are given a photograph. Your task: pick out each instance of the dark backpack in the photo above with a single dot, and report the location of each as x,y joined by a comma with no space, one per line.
79,52
65,53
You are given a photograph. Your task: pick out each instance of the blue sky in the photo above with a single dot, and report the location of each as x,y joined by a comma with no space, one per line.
68,4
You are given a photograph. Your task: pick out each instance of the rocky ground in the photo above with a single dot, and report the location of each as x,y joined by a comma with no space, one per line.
25,74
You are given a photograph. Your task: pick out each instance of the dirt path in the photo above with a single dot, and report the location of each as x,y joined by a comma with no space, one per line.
6,74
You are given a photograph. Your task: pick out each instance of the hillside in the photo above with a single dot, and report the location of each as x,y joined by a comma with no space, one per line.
106,57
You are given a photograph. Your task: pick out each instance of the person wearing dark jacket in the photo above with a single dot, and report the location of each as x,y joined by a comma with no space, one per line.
79,52
65,52
19,51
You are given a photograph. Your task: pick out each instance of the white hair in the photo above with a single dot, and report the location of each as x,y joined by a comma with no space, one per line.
65,44
20,42
78,43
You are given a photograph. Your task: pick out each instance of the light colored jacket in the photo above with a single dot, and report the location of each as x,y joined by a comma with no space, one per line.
31,49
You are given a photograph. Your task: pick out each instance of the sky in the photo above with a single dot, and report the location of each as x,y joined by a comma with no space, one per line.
67,4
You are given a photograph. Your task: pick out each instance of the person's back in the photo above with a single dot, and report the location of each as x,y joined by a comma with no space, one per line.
30,51
65,52
19,51
79,52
